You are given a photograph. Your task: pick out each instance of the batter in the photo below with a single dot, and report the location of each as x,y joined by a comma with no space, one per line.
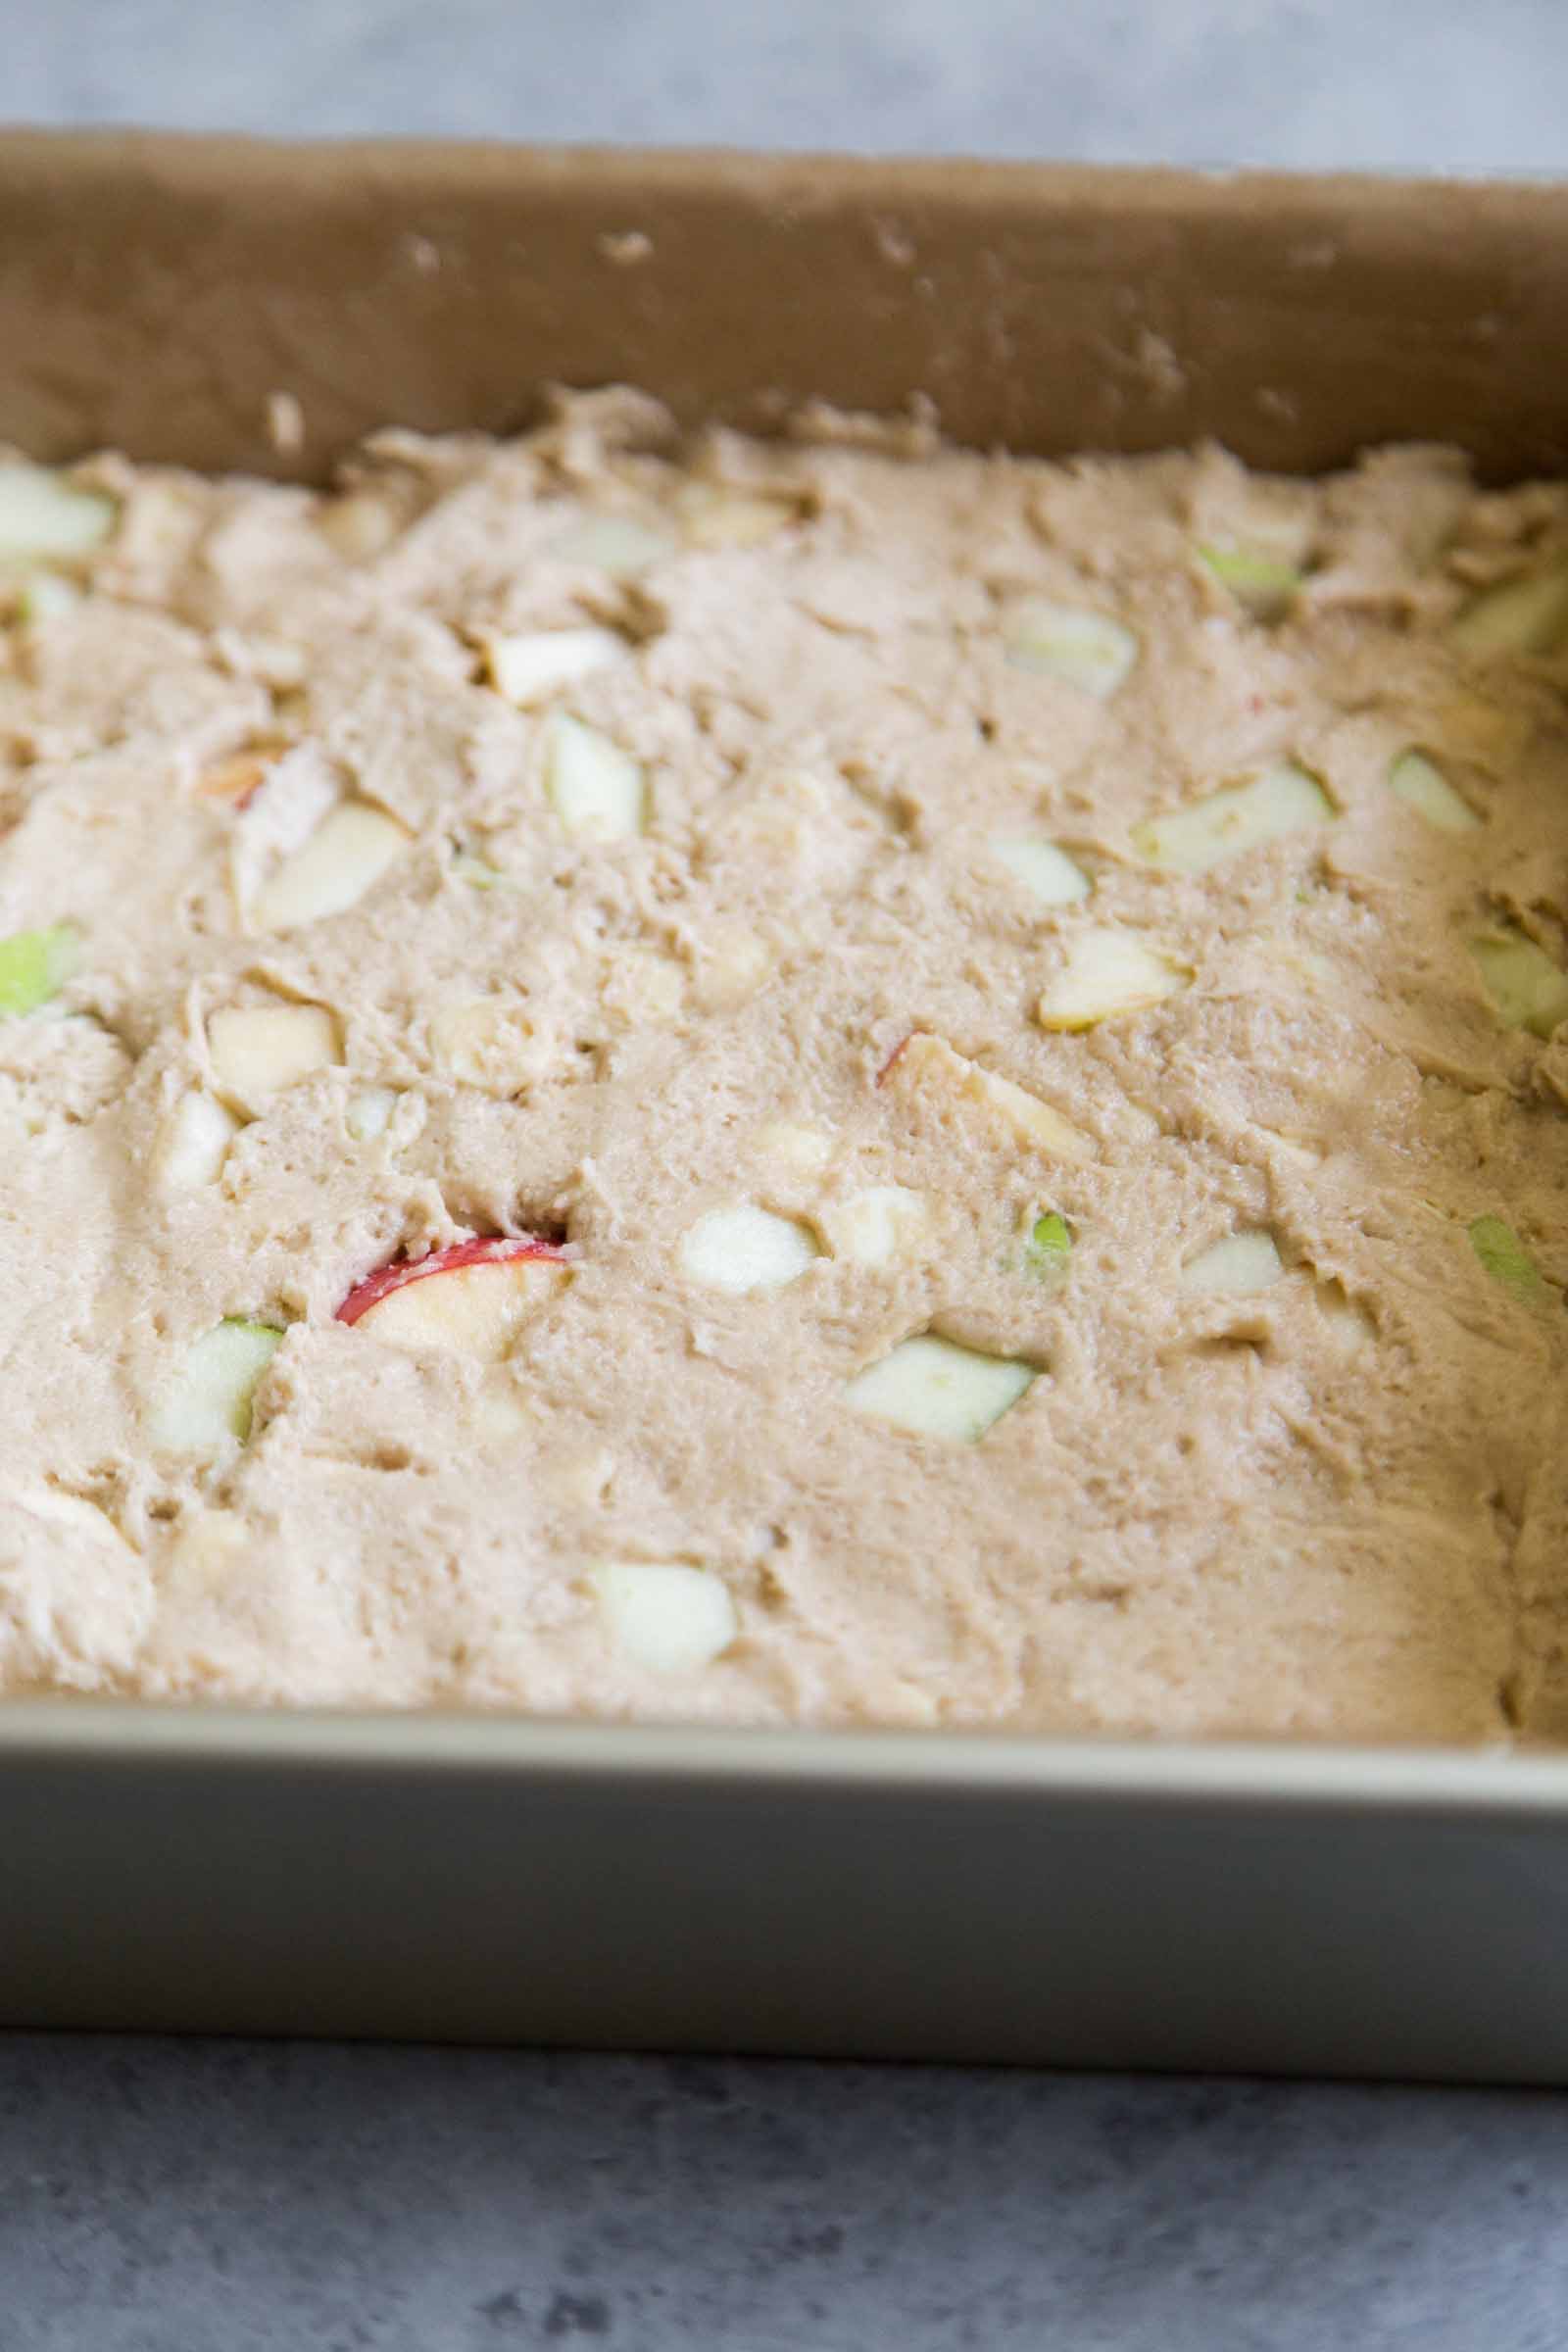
829,1081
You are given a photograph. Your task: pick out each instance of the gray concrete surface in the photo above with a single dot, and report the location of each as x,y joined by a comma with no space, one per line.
206,2197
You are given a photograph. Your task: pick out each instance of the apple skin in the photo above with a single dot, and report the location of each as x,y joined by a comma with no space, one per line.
400,1271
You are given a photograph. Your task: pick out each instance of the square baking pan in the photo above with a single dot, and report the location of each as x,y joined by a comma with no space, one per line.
1277,1908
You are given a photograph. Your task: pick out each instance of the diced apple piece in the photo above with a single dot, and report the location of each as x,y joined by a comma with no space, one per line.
349,849
712,516
531,667
1241,1263
206,1553
746,1250
239,775
207,1404
1526,988
41,516
34,965
935,1389
1505,1257
1282,799
1085,649
1420,783
259,1048
1048,873
1106,974
194,1141
1528,616
361,524
882,1223
494,1042
1049,1246
1265,585
641,986
798,1150
470,1300
46,597
598,790
618,544
664,1616
1346,1325
368,1112
731,965
927,1064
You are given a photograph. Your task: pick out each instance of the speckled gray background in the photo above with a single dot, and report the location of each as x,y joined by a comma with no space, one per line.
210,2198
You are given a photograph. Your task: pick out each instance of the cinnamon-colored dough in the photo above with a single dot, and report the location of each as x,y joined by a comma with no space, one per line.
1338,1505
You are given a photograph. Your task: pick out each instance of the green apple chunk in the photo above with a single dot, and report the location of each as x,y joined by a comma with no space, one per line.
1527,989
1263,585
1085,649
933,1387
207,1404
45,596
42,517
1049,1246
1505,1257
1528,616
34,965
1422,785
1283,799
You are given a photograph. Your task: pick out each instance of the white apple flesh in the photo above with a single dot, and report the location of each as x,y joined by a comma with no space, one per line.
1106,976
793,1148
194,1141
932,1388
470,1300
349,851
746,1250
1283,799
1083,649
1417,781
1046,872
529,667
617,544
257,1050
1239,1262
596,789
43,517
207,1407
927,1066
46,597
712,516
872,1228
664,1617
368,1112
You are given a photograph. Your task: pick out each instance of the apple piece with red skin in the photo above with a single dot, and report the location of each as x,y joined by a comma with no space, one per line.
469,1300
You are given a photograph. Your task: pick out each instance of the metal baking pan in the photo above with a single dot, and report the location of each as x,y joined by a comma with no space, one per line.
1277,1908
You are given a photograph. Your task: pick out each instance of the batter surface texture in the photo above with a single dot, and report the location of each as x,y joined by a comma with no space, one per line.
1016,1004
